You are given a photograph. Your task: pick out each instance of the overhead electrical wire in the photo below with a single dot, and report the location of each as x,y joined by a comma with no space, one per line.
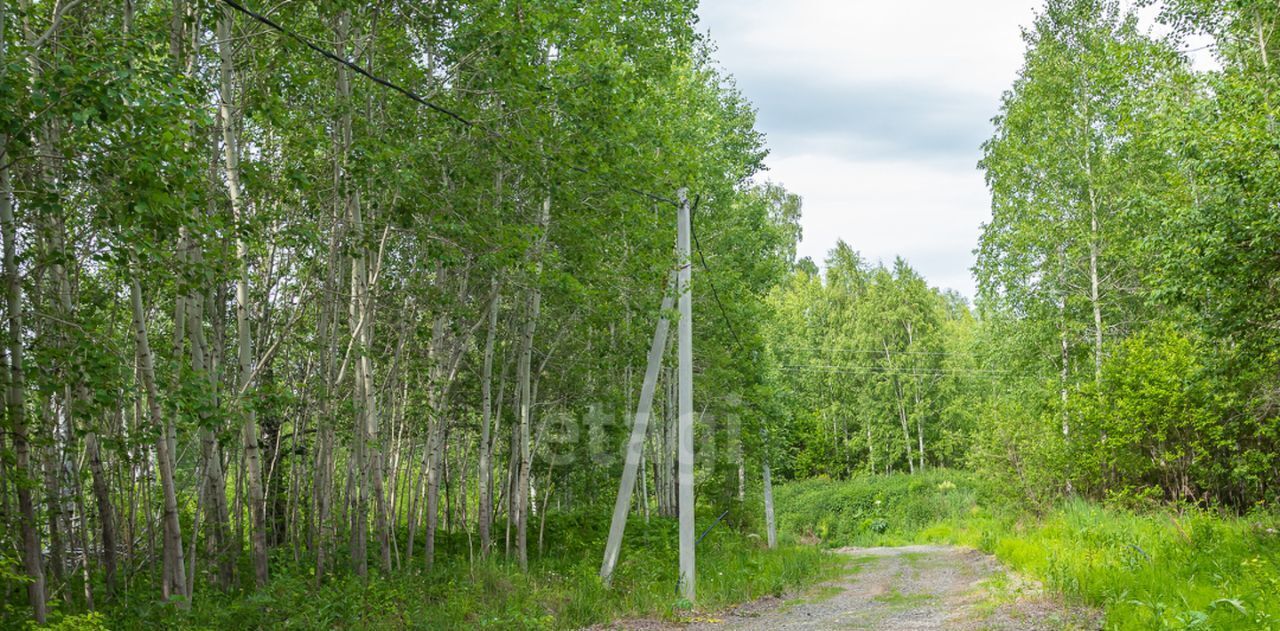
407,93
273,25
494,135
892,370
472,124
878,353
711,283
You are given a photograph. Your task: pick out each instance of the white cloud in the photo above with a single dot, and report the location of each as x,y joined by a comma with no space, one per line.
927,214
965,45
875,112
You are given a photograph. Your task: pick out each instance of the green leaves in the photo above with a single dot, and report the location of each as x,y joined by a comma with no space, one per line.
874,362
1134,215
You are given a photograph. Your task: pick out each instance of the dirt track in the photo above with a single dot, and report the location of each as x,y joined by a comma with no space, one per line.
913,587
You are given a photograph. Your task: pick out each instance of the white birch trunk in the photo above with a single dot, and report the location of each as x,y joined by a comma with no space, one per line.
176,585
532,308
484,512
244,343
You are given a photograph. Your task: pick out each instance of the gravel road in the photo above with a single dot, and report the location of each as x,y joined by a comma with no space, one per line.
906,588
912,587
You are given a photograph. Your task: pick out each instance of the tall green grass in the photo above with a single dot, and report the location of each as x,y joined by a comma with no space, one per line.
877,510
561,590
1165,569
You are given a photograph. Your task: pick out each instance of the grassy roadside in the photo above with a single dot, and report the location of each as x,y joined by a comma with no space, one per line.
1148,570
560,591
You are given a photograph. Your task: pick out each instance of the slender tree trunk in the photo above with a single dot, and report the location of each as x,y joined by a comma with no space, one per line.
244,343
323,498
176,585
448,483
644,482
906,430
432,462
416,496
358,490
106,512
375,473
214,478
461,483
1095,298
546,506
432,457
326,336
82,533
1063,374
513,474
499,501
532,306
195,535
15,399
916,397
485,473
7,516
742,472
55,410
179,339
871,447
920,434
53,504
902,410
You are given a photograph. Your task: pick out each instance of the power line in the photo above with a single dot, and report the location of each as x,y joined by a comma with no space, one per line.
878,353
341,60
830,368
440,109
837,367
714,293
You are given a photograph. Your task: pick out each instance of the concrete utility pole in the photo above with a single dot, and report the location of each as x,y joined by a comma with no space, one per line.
635,447
684,353
768,507
770,525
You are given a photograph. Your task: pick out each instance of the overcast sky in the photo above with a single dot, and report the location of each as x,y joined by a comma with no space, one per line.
875,111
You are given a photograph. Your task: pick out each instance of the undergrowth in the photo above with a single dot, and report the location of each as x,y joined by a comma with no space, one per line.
1172,568
561,590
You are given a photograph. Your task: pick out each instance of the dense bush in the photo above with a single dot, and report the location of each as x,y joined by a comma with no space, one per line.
1149,426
